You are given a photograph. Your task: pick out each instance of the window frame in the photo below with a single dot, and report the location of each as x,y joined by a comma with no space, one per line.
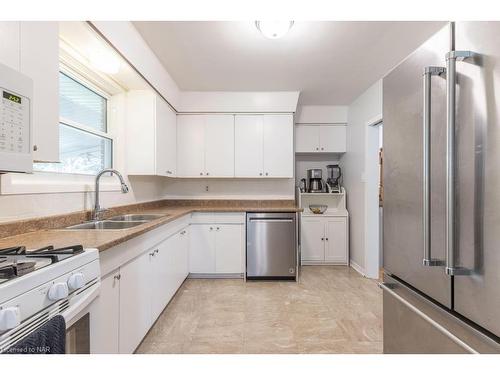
109,135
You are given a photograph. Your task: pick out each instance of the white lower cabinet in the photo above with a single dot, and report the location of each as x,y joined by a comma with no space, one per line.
324,240
104,315
216,249
135,302
134,295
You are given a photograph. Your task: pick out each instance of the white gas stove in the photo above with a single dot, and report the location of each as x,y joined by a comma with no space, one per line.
36,285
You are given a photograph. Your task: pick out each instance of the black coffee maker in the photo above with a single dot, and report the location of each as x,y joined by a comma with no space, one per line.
315,181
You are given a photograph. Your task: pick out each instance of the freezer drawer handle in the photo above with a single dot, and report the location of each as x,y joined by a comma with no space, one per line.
389,289
451,78
429,71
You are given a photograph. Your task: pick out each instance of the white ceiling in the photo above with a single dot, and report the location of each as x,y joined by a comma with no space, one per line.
329,62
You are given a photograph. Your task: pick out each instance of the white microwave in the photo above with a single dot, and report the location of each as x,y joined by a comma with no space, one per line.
16,140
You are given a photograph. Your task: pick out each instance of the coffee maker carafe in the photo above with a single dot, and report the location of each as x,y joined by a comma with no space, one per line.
315,179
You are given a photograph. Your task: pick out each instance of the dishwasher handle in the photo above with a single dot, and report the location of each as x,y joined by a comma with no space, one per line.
271,220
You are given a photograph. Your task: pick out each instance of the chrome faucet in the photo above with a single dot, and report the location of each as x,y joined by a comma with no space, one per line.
98,211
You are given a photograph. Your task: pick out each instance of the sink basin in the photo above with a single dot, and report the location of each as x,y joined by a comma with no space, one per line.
107,224
135,217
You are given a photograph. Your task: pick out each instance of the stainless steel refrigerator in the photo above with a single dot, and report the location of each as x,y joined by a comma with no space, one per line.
441,240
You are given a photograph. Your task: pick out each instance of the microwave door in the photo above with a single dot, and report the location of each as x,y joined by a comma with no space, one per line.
403,238
477,217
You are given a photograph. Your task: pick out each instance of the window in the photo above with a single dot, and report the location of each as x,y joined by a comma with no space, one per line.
85,146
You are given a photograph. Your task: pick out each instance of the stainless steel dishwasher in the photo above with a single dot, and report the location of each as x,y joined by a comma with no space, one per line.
271,246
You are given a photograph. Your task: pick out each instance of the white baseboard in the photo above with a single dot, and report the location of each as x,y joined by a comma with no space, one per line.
357,268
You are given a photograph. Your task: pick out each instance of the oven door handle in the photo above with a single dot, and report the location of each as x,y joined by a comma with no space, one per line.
75,311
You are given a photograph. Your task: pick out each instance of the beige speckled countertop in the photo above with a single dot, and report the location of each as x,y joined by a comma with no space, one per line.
105,239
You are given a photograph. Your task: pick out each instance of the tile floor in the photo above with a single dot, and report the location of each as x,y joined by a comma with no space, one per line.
331,310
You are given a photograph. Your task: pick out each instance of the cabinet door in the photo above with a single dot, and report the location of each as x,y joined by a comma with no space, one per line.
219,145
39,60
278,146
306,138
163,275
313,239
336,240
228,248
9,40
105,317
332,138
202,248
135,302
249,145
182,256
166,139
190,145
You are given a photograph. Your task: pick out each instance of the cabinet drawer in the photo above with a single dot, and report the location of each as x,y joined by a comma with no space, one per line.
218,218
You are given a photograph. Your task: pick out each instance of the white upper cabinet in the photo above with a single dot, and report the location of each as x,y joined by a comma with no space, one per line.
219,145
248,145
39,60
151,135
311,138
190,145
33,49
278,146
264,146
9,40
205,145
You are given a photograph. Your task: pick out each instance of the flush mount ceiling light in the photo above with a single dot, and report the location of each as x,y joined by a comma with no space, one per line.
105,61
274,29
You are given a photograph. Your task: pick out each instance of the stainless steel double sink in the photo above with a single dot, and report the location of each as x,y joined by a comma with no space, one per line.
118,222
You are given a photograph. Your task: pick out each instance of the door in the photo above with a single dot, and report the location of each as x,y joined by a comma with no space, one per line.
313,239
39,60
306,138
332,138
477,296
135,302
105,316
9,40
202,248
278,146
336,240
248,145
219,145
166,139
163,275
228,248
190,145
403,166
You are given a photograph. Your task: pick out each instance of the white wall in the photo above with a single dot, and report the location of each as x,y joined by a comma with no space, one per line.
230,188
364,109
321,114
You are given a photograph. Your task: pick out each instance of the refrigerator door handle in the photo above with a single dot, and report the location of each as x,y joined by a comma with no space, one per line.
429,71
451,77
388,287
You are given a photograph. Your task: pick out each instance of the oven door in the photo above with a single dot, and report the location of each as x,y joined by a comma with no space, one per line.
74,310
78,322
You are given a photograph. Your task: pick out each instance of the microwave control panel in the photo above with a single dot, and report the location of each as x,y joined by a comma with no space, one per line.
14,123
16,132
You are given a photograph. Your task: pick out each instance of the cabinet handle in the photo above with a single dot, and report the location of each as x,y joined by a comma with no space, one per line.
117,277
208,173
156,251
326,238
322,148
211,228
169,172
267,174
201,173
317,148
217,228
322,239
183,232
260,174
35,148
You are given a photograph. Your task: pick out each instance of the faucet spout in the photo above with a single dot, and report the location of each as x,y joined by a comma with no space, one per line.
96,214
